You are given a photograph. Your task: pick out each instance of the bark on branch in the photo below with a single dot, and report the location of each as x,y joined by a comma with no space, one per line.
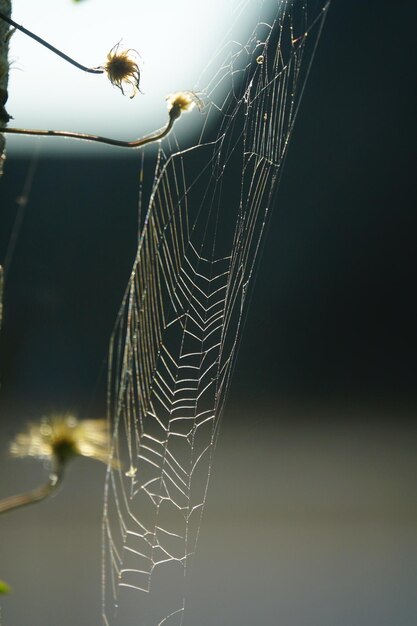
5,7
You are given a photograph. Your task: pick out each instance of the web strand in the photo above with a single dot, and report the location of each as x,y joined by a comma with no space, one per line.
179,326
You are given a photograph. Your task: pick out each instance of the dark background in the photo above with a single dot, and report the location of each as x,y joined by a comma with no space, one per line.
333,313
312,506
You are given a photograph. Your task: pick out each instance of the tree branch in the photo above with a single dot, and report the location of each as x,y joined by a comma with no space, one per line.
5,7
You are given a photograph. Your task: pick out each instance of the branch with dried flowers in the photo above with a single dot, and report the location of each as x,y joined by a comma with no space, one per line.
57,440
121,66
177,103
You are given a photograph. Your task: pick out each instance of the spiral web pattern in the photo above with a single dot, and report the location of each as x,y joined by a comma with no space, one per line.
177,332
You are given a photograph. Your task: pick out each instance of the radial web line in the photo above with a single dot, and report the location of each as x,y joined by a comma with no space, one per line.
176,336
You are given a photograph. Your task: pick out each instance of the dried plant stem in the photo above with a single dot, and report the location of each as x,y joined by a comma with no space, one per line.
91,70
37,494
5,8
137,143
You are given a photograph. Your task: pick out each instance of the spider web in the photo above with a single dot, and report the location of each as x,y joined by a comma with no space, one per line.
178,328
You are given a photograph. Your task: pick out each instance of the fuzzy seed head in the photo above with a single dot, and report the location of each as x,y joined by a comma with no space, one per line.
123,70
182,101
61,437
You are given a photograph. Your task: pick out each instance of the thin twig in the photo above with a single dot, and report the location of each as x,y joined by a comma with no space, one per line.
22,202
37,494
174,114
91,70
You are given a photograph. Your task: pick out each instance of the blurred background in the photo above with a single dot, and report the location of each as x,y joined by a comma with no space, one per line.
311,514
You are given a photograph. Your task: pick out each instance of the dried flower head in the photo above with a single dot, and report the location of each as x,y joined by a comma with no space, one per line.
59,438
123,70
182,101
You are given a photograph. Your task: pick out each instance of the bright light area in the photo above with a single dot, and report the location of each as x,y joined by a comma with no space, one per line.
175,39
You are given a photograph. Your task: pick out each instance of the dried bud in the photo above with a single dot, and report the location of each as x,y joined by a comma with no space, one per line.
123,70
59,438
182,101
